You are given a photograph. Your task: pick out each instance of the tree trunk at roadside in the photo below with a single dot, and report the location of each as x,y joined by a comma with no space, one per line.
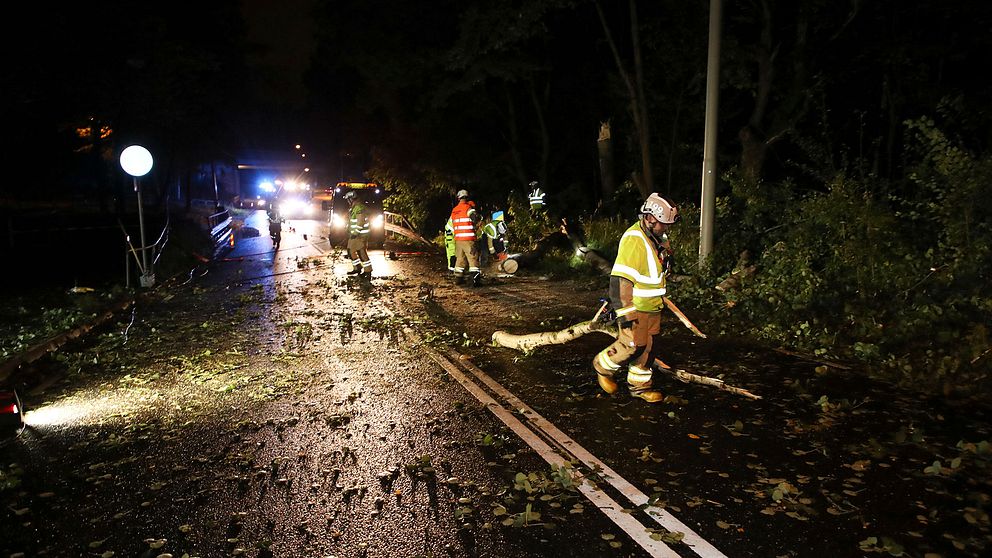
643,178
604,146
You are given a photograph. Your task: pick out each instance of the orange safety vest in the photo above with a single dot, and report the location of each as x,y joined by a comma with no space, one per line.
461,219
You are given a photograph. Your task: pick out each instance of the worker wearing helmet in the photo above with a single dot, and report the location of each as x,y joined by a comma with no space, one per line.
536,197
637,290
449,244
359,230
464,218
495,233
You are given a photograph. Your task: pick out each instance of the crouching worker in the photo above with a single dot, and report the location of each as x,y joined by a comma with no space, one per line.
495,233
637,289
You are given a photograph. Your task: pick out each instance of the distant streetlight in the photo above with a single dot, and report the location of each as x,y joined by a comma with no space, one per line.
137,161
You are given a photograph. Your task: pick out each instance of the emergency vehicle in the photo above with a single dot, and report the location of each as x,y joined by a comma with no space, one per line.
370,194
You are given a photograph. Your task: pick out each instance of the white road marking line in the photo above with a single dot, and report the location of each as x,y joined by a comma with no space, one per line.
630,525
698,544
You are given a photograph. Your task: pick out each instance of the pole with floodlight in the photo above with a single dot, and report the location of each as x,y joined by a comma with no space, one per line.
137,161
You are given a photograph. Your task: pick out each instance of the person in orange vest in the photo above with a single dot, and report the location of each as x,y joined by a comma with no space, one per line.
464,218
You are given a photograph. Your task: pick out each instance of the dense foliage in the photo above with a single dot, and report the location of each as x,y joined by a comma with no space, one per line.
897,278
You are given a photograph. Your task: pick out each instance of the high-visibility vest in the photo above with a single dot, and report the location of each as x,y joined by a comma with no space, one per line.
536,197
461,220
638,262
359,220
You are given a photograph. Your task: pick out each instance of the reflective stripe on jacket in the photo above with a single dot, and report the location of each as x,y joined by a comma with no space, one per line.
536,197
359,220
461,220
638,262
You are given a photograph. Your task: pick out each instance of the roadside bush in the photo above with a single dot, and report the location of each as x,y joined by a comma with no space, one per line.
895,276
899,281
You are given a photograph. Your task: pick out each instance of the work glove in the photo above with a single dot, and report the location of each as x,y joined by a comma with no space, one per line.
608,315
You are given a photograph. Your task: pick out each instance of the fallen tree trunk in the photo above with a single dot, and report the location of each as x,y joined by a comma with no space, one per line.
541,247
587,254
530,341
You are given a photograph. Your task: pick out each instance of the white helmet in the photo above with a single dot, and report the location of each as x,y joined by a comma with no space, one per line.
462,194
661,209
349,195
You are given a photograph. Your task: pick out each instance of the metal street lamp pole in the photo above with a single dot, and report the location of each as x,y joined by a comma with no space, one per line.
708,197
145,270
137,161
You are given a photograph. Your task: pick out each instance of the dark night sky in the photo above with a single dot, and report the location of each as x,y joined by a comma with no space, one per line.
285,29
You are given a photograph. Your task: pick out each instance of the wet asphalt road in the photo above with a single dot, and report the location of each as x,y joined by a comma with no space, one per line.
273,406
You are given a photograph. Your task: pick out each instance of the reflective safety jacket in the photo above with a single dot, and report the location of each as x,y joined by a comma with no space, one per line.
536,198
461,220
360,226
638,261
449,239
495,232
494,229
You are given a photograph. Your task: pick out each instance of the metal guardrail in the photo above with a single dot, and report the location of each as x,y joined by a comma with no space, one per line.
221,232
399,225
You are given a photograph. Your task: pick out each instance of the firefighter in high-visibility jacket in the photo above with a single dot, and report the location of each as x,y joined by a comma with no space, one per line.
637,290
536,198
464,219
449,244
495,234
359,229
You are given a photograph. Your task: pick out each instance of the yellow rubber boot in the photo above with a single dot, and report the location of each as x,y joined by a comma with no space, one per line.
640,384
604,372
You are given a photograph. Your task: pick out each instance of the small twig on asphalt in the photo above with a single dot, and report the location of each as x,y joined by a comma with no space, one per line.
128,328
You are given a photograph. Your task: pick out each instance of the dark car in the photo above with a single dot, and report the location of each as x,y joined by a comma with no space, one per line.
11,412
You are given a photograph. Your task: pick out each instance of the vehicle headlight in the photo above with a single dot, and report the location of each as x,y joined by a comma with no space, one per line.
338,222
377,221
307,209
260,202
